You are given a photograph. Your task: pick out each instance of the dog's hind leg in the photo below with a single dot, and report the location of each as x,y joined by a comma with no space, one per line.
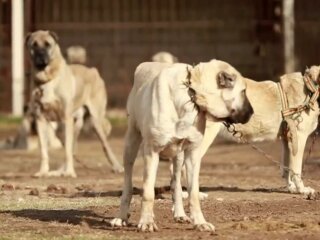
78,124
294,180
98,121
132,144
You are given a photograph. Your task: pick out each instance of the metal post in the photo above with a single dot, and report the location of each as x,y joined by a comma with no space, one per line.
17,57
288,36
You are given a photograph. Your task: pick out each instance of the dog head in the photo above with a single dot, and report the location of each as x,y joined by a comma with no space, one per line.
42,47
220,91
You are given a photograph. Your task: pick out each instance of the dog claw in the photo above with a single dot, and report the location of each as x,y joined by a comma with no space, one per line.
148,227
118,222
205,227
182,219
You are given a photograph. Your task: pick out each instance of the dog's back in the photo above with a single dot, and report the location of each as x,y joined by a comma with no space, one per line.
89,85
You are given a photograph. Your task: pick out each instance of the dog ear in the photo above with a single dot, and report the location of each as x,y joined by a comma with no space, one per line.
54,35
225,80
27,38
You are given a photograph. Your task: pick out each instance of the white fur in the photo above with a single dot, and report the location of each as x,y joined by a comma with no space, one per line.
163,120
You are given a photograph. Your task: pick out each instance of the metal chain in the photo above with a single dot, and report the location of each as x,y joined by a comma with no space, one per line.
232,129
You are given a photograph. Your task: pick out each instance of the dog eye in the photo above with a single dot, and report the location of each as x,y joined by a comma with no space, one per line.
46,44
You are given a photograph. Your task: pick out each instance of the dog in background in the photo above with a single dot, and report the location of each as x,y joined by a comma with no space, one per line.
61,93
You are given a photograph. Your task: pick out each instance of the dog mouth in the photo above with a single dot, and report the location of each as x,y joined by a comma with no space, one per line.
40,63
40,59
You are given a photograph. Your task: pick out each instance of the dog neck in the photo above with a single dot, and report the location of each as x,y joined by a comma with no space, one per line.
50,72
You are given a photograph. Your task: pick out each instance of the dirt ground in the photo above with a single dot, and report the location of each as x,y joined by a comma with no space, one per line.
247,199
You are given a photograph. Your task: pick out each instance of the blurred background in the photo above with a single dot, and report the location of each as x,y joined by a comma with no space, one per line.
119,34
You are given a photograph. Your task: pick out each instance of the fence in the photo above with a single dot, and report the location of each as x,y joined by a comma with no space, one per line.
119,34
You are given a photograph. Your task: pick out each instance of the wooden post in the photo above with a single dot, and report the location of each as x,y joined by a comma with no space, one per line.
288,35
17,45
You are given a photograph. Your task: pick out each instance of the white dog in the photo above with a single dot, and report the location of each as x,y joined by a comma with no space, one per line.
167,110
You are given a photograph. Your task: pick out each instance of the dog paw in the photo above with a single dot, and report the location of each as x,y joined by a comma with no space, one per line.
205,227
185,195
69,174
182,219
118,222
62,173
307,191
147,227
118,169
202,195
292,188
41,174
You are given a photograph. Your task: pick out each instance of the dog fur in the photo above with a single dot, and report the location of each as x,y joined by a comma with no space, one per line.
167,115
61,91
265,123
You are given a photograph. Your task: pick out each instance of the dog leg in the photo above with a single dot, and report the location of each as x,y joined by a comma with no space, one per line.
285,159
151,160
178,210
67,169
78,124
185,194
193,162
294,181
42,127
77,129
98,125
132,144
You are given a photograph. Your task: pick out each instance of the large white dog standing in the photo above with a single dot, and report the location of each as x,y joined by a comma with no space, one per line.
167,109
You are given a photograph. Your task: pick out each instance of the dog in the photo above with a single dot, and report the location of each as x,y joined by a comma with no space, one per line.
267,122
164,57
61,93
167,111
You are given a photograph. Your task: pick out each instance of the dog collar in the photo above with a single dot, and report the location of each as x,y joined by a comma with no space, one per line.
191,91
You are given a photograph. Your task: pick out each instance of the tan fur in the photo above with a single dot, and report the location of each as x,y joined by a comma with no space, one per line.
61,93
266,121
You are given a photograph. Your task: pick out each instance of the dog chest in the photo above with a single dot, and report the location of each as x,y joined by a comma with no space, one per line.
171,150
48,104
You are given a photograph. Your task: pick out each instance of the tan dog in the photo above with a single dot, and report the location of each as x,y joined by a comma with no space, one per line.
167,108
61,92
265,123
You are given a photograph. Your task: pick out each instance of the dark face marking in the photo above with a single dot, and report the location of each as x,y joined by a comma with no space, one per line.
40,47
242,115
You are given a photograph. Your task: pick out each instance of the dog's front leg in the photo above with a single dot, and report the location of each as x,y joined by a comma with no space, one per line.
285,159
67,169
42,127
294,181
193,161
151,160
69,134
